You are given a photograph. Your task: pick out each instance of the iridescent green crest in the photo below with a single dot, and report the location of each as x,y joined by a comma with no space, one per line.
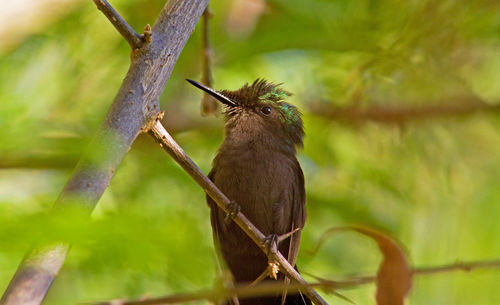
276,95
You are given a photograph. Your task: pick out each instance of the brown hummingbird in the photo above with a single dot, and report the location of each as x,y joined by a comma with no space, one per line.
257,169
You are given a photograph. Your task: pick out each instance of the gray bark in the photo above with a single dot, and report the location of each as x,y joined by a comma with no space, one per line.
134,108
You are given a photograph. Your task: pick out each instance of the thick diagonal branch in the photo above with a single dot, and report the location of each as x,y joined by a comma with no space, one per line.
178,154
134,108
134,40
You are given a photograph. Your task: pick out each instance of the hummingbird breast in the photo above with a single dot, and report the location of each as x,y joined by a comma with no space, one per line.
266,184
259,182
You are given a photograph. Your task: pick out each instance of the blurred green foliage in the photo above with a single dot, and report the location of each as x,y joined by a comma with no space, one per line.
431,184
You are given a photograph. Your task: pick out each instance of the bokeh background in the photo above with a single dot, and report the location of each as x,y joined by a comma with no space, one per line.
431,182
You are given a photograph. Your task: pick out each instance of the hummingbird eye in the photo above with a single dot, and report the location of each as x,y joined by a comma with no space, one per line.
266,110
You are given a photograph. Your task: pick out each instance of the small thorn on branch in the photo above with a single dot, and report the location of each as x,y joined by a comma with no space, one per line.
260,278
286,235
135,40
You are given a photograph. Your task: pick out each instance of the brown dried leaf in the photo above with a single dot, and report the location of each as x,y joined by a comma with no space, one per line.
394,276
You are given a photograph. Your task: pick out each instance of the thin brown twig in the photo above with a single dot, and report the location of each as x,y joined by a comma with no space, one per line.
178,154
401,115
206,77
135,40
208,104
260,278
269,288
242,291
458,266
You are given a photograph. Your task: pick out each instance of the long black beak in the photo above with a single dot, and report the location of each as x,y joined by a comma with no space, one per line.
221,98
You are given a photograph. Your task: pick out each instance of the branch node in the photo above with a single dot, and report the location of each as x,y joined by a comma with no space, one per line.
149,125
135,40
233,210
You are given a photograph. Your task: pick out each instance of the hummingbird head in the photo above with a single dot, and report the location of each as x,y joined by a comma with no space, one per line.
260,109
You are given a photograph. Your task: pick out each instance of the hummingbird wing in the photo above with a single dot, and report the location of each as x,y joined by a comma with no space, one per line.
298,218
213,218
211,203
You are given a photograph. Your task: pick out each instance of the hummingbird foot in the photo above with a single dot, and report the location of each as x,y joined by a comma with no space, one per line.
271,242
233,210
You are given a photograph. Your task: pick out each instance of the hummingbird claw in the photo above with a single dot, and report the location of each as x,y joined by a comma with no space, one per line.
233,208
272,241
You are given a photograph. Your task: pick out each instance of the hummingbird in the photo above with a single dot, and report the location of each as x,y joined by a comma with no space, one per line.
257,169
